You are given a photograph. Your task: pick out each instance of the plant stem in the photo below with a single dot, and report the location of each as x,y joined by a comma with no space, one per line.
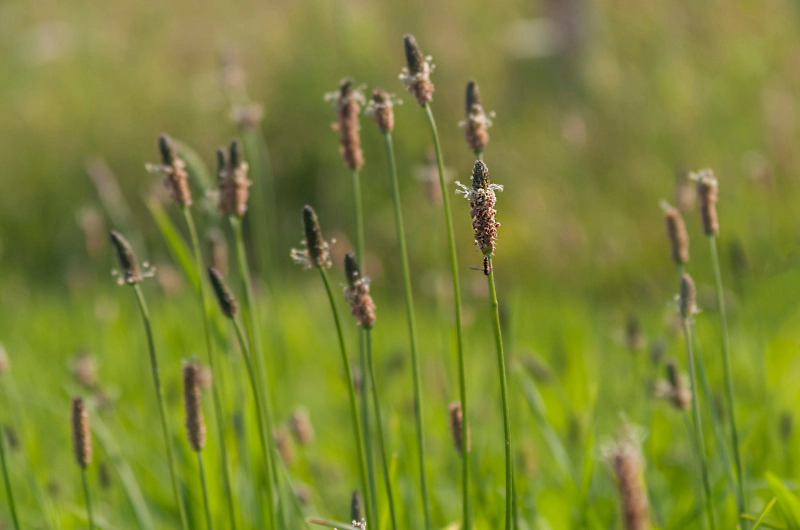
264,432
462,384
162,409
379,423
726,363
357,431
698,426
212,361
501,363
412,327
359,208
254,337
88,498
9,491
206,500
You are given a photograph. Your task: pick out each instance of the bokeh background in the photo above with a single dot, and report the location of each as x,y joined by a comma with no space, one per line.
602,106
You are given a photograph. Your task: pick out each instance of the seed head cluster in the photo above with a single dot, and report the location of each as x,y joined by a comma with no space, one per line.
357,293
227,302
707,191
193,407
416,76
457,427
316,252
625,457
131,273
476,123
348,101
688,297
232,179
176,178
674,388
81,435
678,236
482,200
381,109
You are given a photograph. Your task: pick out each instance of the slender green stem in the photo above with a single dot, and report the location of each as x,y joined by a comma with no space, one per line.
361,245
726,363
206,500
162,408
501,364
88,498
357,430
379,423
412,328
212,361
698,425
9,490
462,384
263,433
254,337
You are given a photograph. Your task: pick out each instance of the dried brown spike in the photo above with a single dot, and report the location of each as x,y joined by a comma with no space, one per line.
688,297
626,461
315,245
679,395
347,111
131,273
475,123
482,200
416,77
233,182
195,426
357,293
382,110
678,236
457,427
81,435
227,302
283,442
707,190
176,178
301,427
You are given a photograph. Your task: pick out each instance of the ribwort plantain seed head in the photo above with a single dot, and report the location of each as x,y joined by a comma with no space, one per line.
81,434
193,407
227,302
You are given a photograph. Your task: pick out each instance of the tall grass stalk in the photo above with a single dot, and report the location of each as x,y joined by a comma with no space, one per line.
698,425
256,357
264,433
501,364
162,409
379,426
6,478
462,384
726,364
203,483
212,361
412,325
357,428
88,497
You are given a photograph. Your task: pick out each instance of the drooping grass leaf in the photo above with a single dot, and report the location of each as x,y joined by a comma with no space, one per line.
788,502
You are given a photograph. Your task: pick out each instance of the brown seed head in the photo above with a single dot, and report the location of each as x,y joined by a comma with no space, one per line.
195,426
356,507
416,76
688,296
81,435
176,178
357,293
678,237
227,302
476,123
301,427
678,394
233,182
457,427
284,444
626,461
482,200
315,253
381,109
131,273
348,107
707,190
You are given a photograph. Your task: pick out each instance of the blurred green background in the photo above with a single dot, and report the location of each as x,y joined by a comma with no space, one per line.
601,108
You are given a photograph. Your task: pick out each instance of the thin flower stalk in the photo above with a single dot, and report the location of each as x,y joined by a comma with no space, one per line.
688,308
195,426
12,505
176,180
707,190
131,274
416,78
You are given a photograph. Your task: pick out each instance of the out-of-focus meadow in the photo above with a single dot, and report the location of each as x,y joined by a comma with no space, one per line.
601,108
